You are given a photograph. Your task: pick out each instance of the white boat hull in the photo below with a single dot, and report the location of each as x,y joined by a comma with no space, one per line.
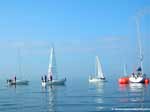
54,82
136,79
18,82
43,84
97,80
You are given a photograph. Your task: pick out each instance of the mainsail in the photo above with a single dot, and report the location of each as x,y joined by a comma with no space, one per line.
52,65
99,68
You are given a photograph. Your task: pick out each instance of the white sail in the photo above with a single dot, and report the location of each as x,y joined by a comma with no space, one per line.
52,64
99,68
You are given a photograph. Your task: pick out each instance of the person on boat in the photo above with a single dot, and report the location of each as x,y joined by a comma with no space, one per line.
133,74
9,81
51,78
15,79
42,78
45,78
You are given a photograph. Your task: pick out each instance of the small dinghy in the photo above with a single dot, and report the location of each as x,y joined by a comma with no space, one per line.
99,73
18,81
52,73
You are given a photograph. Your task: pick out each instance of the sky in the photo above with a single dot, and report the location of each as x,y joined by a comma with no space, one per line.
79,30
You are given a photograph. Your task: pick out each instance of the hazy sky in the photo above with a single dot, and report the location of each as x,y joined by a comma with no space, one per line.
79,29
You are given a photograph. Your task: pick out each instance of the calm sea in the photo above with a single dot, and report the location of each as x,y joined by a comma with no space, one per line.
75,96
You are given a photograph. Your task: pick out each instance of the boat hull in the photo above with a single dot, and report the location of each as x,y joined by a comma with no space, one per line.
97,80
18,82
55,82
136,79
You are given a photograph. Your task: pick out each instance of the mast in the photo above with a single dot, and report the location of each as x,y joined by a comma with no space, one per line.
139,44
19,63
125,70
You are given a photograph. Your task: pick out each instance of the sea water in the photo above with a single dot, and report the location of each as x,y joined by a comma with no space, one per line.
76,96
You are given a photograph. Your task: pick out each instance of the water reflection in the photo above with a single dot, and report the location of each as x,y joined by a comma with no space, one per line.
123,87
50,92
132,87
100,91
11,86
137,93
136,87
133,94
98,88
51,99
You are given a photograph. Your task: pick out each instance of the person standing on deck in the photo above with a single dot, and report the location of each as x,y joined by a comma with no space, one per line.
15,79
45,78
42,79
51,78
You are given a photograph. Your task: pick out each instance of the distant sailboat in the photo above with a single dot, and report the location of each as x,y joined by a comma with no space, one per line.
15,80
52,72
99,73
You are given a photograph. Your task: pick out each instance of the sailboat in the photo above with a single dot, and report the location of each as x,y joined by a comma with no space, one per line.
138,76
52,72
99,73
14,80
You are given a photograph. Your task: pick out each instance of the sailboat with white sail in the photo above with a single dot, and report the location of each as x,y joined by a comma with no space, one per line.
138,76
99,76
15,80
52,72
